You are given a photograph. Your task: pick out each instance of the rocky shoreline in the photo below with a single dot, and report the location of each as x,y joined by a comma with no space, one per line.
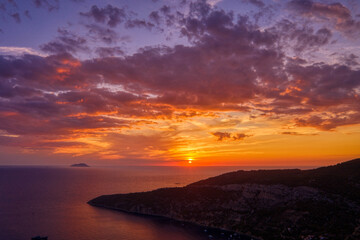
210,232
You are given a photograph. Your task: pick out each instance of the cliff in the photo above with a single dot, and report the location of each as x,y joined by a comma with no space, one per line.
321,203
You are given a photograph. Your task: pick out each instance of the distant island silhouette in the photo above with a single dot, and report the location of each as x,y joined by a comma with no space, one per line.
80,165
322,203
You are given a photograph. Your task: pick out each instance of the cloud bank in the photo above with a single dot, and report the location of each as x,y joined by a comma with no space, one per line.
230,64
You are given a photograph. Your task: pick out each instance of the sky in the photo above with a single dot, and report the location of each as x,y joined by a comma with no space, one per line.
166,82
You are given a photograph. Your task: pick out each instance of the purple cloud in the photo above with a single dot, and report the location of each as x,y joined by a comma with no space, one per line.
110,15
335,13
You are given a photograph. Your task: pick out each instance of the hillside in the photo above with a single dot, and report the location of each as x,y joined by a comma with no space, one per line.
321,203
343,178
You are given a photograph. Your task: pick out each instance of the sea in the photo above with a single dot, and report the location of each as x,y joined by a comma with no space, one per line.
52,202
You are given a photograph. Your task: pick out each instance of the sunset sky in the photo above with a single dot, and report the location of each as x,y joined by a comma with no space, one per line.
159,82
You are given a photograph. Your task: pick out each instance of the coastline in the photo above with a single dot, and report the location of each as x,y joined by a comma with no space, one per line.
212,232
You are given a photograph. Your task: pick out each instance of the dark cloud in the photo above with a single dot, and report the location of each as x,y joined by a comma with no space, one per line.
336,10
110,15
105,35
222,136
327,122
16,17
109,51
298,134
50,5
66,42
336,13
139,23
165,74
350,60
166,17
291,133
50,110
257,3
27,14
113,16
300,37
326,85
155,17
11,8
239,136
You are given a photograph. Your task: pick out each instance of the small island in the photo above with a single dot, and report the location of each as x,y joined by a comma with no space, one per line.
80,165
292,204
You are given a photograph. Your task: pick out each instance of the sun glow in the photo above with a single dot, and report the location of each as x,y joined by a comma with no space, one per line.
190,160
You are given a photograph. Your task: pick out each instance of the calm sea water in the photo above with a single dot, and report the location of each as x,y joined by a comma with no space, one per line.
51,201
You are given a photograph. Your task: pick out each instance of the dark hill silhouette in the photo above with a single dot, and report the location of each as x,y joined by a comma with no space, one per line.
342,178
322,203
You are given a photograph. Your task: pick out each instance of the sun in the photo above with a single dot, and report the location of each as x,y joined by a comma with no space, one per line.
190,160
